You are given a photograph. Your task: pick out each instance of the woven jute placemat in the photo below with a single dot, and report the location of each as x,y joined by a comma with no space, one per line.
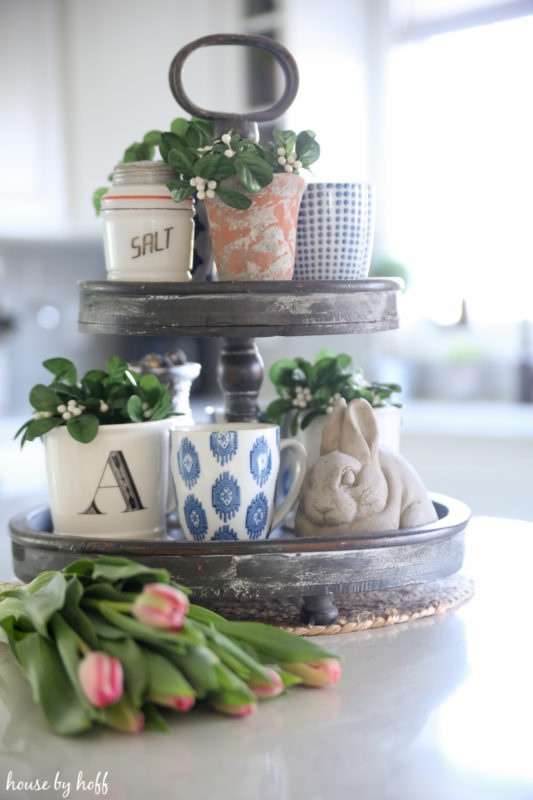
358,612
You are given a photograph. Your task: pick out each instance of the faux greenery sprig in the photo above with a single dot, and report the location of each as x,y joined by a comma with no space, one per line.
116,395
311,390
110,642
204,162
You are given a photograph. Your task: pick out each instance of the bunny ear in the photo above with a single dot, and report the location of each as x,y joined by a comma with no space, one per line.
359,435
331,437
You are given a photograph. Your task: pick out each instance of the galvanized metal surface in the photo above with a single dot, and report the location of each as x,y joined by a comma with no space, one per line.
237,309
279,567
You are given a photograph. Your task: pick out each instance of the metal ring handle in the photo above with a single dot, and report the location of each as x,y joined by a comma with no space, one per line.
280,53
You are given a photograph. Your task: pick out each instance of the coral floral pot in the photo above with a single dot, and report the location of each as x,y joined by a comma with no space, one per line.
257,243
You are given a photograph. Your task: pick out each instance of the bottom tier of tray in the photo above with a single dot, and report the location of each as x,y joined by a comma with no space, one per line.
281,566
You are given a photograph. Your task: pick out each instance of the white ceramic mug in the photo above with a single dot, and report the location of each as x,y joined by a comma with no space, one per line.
113,487
224,476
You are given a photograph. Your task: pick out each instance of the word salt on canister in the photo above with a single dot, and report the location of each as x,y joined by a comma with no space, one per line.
147,236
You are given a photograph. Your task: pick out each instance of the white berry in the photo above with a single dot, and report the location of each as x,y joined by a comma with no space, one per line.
297,164
200,194
288,167
282,160
229,153
193,181
61,409
67,415
291,158
211,184
226,138
280,151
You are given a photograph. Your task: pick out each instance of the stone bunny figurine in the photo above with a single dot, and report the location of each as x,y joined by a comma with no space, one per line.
357,487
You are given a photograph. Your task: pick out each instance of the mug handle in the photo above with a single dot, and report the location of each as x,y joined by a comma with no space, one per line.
299,467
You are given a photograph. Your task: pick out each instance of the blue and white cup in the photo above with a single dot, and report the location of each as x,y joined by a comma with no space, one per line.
224,476
335,232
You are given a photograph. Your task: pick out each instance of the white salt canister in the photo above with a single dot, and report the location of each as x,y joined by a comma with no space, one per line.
147,236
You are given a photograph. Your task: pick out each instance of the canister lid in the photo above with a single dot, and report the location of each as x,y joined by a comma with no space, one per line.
143,172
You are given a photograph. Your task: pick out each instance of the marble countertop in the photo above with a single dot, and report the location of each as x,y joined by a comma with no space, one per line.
436,709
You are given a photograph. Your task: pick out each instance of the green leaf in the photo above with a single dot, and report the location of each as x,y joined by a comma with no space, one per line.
307,148
179,190
153,720
116,568
180,161
179,126
42,598
134,408
83,428
285,139
344,361
308,418
207,125
277,408
51,687
277,370
138,151
62,368
233,656
69,653
97,198
254,172
116,366
131,657
38,427
233,198
198,664
164,678
142,633
271,643
43,398
152,138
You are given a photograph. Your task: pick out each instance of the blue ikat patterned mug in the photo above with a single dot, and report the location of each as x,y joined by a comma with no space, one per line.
335,232
224,476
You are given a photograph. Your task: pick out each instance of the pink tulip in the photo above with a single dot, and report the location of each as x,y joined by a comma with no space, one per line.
161,606
101,678
124,717
177,702
234,711
322,672
265,690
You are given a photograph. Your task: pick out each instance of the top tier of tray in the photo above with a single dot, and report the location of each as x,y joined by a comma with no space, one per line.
238,309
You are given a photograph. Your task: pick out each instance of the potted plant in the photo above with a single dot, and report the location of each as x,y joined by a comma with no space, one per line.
307,392
106,449
236,175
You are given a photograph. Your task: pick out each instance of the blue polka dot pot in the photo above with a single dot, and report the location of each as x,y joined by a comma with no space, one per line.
335,232
225,478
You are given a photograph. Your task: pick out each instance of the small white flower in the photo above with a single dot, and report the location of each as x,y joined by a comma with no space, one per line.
103,407
61,409
229,153
211,184
210,193
288,167
226,138
67,415
280,151
282,160
200,194
297,165
148,413
291,158
193,181
77,411
145,405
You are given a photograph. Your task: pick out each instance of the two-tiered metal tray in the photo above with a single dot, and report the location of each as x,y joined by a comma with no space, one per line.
281,566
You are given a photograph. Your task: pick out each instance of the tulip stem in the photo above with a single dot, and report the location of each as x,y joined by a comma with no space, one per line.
88,601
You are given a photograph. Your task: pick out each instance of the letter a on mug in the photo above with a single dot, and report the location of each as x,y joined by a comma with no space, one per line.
117,471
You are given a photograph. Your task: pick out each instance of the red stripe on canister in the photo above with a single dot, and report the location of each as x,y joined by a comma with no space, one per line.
136,197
